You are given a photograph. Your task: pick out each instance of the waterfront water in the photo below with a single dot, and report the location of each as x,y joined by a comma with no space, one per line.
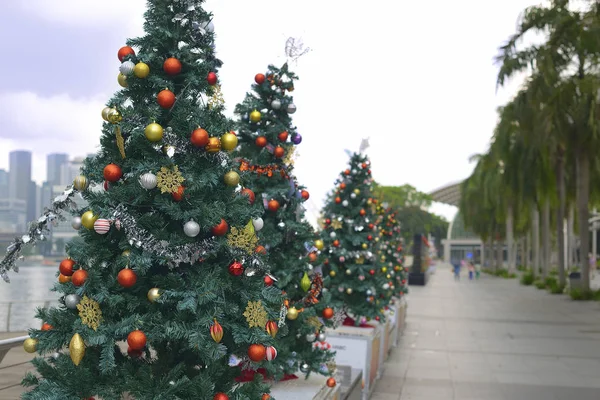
27,290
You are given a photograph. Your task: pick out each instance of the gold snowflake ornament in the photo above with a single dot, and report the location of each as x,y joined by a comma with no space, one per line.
216,100
290,156
314,322
244,239
168,180
89,312
336,224
360,260
255,314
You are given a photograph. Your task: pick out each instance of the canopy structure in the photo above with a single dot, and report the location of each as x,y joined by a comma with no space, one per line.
460,243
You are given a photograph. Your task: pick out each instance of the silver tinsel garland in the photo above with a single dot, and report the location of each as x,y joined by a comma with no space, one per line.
37,231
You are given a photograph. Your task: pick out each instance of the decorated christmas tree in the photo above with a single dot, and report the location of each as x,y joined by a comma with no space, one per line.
268,140
349,234
166,279
391,251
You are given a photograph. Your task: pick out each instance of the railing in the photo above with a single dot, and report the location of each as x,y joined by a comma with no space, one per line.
7,344
8,316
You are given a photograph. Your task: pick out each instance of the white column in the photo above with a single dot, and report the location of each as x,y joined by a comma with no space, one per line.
594,237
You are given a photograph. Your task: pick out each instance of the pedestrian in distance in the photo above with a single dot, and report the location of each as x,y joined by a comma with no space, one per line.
477,271
471,270
456,266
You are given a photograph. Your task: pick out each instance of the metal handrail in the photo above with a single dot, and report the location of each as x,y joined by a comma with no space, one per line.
10,306
7,344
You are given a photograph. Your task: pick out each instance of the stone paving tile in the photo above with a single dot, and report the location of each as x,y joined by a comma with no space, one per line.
494,340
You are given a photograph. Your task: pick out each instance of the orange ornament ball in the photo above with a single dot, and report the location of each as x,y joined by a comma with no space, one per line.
127,278
266,396
199,137
221,228
66,267
221,396
136,340
273,205
268,280
112,173
124,52
305,195
63,278
172,66
342,185
336,243
364,165
312,257
362,212
257,352
347,172
338,200
261,141
279,152
283,136
178,195
331,382
46,326
248,193
260,250
165,98
79,277
259,78
328,313
214,145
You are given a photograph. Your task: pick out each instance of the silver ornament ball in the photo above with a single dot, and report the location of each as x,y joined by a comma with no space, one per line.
291,108
321,337
127,68
304,368
310,337
281,225
345,203
71,301
276,104
148,181
191,228
332,235
258,223
76,223
352,195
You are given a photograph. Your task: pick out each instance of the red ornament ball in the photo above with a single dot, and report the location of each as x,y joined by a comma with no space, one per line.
364,165
79,277
125,51
305,194
221,228
328,221
248,193
377,318
172,66
211,78
165,98
221,396
236,268
261,141
127,278
372,272
257,352
273,205
268,280
283,136
112,173
178,195
136,340
66,267
328,313
279,152
46,326
259,78
199,137
331,382
371,226
369,238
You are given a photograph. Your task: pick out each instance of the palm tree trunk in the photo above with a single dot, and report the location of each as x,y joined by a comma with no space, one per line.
583,201
527,255
571,236
509,239
499,255
536,240
546,238
560,220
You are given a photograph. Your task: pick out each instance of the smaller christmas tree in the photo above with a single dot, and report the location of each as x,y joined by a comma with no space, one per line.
348,236
391,251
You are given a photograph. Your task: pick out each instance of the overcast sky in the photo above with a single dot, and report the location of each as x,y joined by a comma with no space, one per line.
417,77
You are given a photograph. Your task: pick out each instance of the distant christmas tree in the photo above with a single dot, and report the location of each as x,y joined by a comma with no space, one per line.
349,235
165,282
391,250
268,140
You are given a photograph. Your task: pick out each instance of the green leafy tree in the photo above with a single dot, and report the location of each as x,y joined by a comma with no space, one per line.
160,257
268,140
349,237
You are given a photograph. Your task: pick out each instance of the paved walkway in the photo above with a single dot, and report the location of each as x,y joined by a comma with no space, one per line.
493,340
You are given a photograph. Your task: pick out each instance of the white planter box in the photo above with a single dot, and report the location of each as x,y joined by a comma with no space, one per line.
400,321
351,385
313,388
359,348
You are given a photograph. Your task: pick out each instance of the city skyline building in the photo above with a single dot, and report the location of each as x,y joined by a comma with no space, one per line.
19,174
54,165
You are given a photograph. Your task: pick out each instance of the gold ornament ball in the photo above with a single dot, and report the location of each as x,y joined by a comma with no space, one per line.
384,269
229,141
364,245
87,220
349,291
105,112
154,132
319,244
377,239
356,192
232,178
332,274
80,183
114,116
30,345
369,202
141,70
292,313
126,253
153,294
388,276
122,79
255,116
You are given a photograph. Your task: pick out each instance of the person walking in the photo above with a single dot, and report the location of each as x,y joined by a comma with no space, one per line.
471,270
456,265
477,271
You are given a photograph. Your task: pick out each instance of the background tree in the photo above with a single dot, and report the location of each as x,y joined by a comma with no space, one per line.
268,139
159,258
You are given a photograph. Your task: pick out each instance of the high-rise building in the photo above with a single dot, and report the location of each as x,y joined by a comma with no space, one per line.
70,170
3,184
19,174
33,201
54,163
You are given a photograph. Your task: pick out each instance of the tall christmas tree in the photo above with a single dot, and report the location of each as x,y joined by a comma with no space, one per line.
349,235
390,250
268,139
165,281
